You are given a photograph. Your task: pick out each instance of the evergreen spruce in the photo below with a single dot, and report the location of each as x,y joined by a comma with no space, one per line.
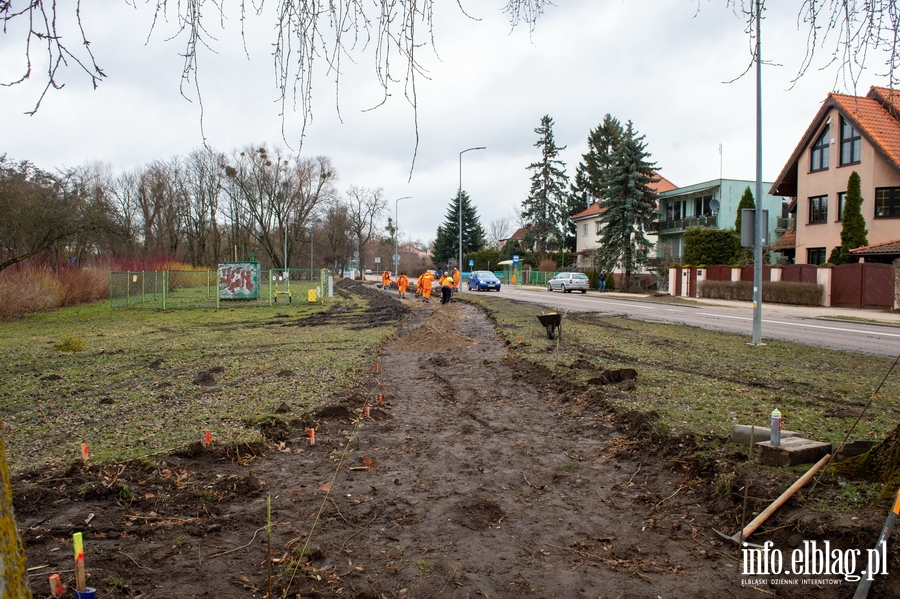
544,210
630,205
853,230
446,243
592,173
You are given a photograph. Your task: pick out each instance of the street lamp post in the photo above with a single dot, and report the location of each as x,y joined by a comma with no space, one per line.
459,199
396,255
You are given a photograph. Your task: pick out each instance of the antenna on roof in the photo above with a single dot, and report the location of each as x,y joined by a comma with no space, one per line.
720,161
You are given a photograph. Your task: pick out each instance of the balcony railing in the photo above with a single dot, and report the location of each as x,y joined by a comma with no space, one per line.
671,226
784,224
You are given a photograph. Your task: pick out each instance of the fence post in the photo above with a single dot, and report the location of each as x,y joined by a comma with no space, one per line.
165,287
218,289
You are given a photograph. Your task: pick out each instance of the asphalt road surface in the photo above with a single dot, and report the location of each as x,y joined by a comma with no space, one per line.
879,339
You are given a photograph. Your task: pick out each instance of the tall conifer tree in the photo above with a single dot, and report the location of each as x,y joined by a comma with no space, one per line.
446,243
544,210
630,205
592,173
853,230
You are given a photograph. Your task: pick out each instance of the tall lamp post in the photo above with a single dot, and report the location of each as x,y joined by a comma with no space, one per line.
459,199
396,255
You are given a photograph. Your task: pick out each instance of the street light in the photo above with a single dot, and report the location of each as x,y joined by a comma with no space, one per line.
396,255
459,199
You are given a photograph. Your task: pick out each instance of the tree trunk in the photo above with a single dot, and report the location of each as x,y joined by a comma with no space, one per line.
879,464
13,574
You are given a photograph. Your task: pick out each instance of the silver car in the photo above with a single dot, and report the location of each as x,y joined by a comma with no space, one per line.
568,282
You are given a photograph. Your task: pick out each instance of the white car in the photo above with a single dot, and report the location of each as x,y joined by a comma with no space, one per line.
569,281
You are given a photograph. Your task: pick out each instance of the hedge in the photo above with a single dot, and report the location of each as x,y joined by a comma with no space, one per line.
775,292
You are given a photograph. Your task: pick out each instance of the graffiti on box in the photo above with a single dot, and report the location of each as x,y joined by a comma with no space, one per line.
239,281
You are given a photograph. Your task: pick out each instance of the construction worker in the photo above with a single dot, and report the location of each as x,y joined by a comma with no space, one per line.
402,284
425,282
386,279
456,279
446,288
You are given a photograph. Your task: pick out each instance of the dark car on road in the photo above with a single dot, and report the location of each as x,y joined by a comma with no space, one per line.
482,280
568,282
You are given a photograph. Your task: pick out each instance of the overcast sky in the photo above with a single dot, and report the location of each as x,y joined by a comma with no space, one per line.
662,64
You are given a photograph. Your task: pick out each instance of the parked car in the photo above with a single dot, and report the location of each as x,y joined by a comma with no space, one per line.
568,282
481,280
368,271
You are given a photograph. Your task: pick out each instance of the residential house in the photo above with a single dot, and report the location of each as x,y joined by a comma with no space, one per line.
848,133
710,205
588,227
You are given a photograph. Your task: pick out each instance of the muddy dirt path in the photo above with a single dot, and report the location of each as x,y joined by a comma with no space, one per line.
473,478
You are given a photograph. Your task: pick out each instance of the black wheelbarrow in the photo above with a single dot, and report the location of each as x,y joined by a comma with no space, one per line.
552,323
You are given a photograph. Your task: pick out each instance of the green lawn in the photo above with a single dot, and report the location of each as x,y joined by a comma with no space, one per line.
131,391
705,382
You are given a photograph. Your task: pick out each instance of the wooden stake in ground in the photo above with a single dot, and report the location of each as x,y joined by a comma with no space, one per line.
80,582
56,588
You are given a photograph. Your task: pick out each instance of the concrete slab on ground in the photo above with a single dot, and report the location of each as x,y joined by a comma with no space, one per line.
741,434
791,452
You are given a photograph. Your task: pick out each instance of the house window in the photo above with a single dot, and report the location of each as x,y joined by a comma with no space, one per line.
887,202
818,209
701,206
675,210
850,143
842,198
819,160
584,230
815,255
599,227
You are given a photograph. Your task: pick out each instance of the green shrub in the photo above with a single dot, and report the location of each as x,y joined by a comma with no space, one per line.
610,282
69,343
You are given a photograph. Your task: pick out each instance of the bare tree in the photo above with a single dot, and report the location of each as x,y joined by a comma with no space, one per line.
203,178
364,208
498,230
277,192
53,33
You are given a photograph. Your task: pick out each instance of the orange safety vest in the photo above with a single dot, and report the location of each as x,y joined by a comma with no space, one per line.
386,279
447,282
402,282
456,278
427,279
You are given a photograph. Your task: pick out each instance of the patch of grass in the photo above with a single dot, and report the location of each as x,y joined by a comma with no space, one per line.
425,567
69,343
573,465
136,391
704,382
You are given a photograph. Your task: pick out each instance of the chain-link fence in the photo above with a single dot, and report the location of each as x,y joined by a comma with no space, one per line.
232,285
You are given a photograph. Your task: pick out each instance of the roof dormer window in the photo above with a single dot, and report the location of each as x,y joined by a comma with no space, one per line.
819,154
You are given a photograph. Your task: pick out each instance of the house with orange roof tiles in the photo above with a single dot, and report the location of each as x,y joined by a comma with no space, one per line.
848,133
588,227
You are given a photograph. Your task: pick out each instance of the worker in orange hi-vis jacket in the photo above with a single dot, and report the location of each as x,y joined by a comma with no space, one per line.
456,279
426,280
402,284
386,279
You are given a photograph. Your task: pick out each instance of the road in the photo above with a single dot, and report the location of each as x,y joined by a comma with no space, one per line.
779,322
